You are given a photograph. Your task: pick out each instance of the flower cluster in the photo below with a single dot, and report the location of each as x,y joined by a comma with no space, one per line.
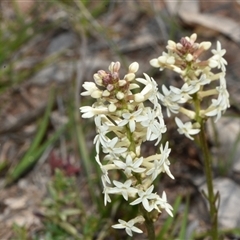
127,113
198,78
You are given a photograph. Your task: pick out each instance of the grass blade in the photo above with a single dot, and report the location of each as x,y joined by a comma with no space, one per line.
182,234
34,151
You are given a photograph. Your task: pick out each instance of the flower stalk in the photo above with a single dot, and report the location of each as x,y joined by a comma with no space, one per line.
211,197
184,58
149,224
124,120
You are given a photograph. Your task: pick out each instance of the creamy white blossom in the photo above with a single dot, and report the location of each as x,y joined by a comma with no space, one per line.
132,118
170,100
186,128
145,198
215,109
160,163
125,189
164,204
127,113
217,58
155,126
131,165
128,226
197,74
106,195
110,147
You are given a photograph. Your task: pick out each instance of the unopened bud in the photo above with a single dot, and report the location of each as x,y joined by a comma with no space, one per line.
189,57
193,37
112,107
96,94
133,67
129,76
105,93
120,95
116,66
122,83
205,45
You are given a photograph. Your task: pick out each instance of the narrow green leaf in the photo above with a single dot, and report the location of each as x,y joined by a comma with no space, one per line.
3,165
71,211
182,234
43,125
69,229
30,160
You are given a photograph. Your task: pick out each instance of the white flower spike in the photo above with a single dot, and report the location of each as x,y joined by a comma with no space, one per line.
127,113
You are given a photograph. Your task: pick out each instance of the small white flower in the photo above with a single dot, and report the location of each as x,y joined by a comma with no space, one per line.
123,188
130,165
132,118
170,100
105,179
150,91
186,128
154,202
161,203
216,109
128,226
164,204
185,97
145,197
106,195
164,155
195,85
102,130
223,96
178,95
110,147
218,59
162,164
154,127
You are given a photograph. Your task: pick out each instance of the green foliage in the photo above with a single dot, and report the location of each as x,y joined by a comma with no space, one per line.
65,213
14,35
53,231
37,147
182,234
19,232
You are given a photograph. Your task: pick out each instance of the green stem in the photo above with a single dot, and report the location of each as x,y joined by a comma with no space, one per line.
149,224
209,178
